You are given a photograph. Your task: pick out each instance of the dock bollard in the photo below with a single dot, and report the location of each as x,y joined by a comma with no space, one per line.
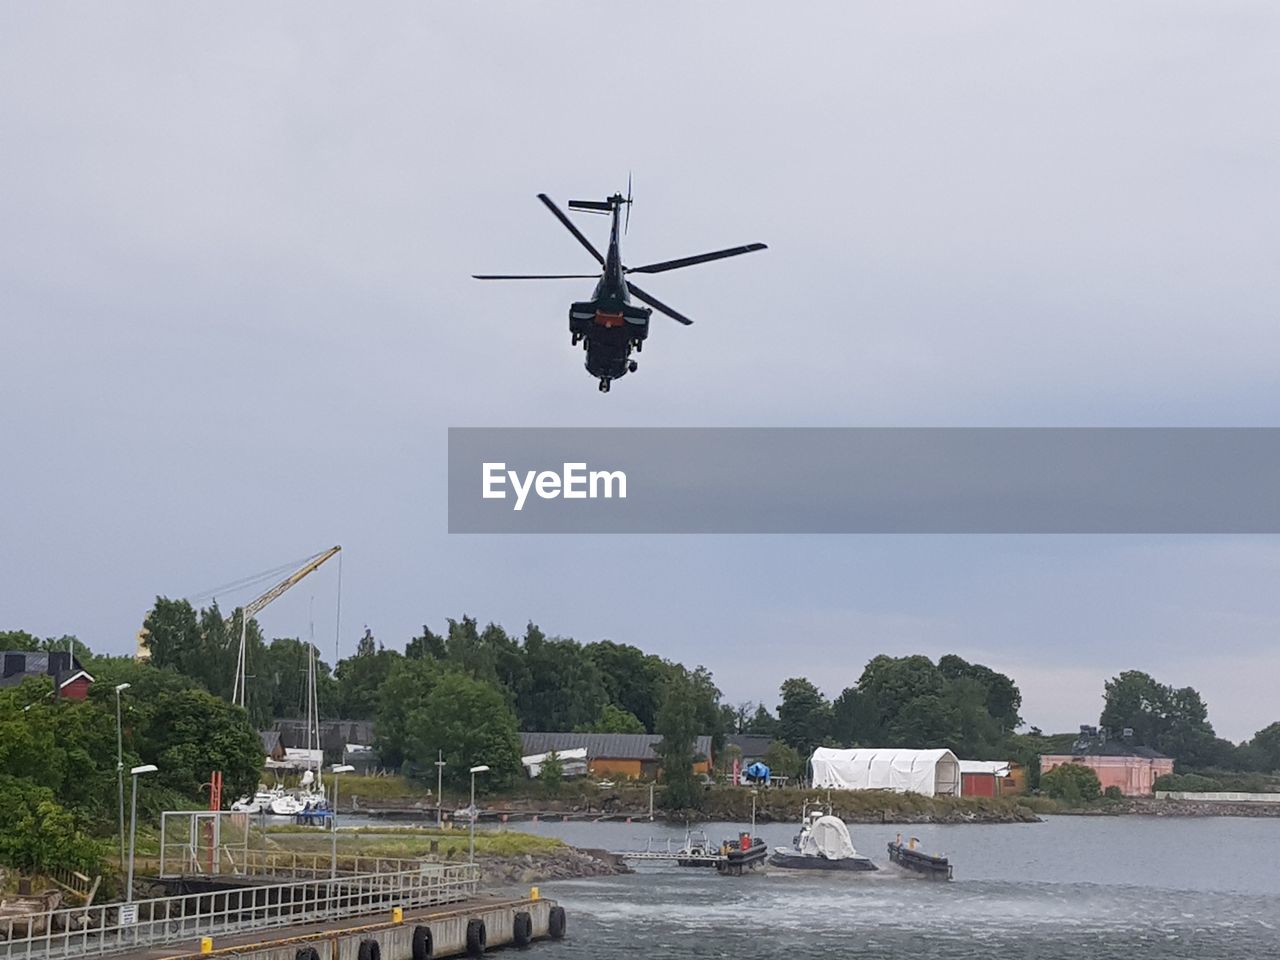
533,894
206,944
397,914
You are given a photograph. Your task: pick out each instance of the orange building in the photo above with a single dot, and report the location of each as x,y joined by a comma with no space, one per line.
629,755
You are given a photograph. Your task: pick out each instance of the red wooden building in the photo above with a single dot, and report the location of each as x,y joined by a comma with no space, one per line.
60,666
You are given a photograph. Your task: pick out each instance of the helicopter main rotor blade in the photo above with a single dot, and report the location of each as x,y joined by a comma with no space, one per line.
560,215
699,258
658,304
535,276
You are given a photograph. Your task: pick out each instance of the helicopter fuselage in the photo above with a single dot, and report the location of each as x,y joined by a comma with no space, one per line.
608,325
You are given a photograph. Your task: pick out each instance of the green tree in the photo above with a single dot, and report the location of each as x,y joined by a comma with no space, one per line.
405,690
632,678
19,640
762,722
562,688
468,720
41,834
360,678
1173,721
191,733
551,776
1071,783
1265,747
1001,697
615,720
854,720
804,715
426,646
677,724
784,761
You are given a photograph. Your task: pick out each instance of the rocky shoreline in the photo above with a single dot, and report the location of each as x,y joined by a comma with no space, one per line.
1150,807
567,863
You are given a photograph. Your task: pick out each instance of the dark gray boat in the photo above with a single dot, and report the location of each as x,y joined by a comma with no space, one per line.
822,844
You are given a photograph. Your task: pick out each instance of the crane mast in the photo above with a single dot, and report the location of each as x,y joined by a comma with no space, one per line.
255,606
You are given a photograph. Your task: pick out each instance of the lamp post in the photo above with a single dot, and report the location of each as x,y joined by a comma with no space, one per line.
439,789
474,771
133,822
120,687
336,769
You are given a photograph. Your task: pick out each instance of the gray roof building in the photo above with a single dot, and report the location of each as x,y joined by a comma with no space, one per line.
611,746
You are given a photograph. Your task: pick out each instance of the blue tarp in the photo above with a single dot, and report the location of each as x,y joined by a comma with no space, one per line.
757,771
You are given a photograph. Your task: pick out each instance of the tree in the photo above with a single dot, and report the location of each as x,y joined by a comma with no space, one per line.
1071,783
1001,696
409,684
762,722
890,683
615,720
551,776
1265,748
804,715
19,640
677,723
469,721
854,720
426,646
360,679
190,734
783,761
632,678
562,688
40,833
1173,721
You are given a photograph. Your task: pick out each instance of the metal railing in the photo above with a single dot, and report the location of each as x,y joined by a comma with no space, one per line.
124,927
284,863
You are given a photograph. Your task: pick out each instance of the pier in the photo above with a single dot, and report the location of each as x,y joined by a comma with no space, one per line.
412,910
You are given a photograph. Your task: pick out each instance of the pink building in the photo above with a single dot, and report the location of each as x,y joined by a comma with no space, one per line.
1134,770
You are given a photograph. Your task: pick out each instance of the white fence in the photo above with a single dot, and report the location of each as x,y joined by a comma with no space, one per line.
1219,797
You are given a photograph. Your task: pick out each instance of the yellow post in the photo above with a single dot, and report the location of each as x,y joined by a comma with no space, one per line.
206,944
533,893
397,914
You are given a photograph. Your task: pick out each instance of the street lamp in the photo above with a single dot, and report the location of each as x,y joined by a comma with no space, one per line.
120,687
133,822
336,769
474,771
439,789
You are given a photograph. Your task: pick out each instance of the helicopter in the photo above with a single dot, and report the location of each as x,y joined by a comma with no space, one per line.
609,325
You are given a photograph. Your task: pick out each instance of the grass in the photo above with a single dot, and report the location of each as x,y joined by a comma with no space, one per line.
408,843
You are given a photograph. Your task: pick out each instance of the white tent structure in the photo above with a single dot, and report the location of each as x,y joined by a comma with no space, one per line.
573,763
934,773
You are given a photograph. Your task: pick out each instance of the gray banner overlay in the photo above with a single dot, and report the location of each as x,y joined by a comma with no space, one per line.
855,480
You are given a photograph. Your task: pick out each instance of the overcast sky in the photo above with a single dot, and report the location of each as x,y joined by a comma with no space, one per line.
235,247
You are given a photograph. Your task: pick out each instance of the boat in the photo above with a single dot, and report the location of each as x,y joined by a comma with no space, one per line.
822,844
742,854
258,802
696,852
286,805
911,857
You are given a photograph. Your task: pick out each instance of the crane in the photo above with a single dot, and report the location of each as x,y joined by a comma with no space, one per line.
255,606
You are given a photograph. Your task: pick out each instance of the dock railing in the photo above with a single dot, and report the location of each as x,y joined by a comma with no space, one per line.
124,927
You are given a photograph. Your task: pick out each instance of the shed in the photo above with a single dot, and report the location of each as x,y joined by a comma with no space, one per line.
984,778
930,772
614,754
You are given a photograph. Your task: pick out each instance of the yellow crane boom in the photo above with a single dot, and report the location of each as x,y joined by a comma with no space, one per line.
255,606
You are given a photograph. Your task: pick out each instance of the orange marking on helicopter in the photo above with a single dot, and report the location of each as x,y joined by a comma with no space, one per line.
608,319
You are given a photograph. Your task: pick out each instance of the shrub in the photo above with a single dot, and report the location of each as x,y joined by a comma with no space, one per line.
1113,793
1071,783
